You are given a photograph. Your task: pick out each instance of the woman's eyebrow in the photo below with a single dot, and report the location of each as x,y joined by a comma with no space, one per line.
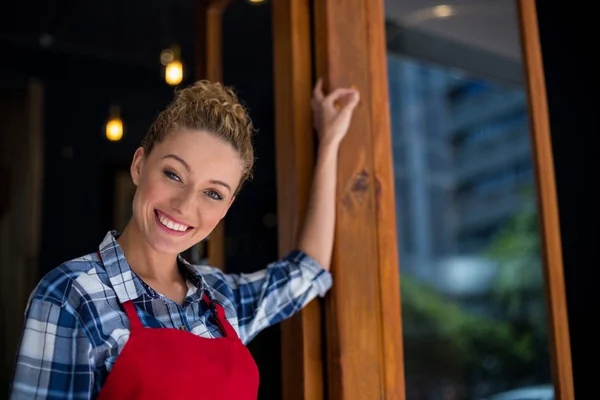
220,183
181,160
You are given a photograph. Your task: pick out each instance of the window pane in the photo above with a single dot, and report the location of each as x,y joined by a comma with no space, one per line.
473,307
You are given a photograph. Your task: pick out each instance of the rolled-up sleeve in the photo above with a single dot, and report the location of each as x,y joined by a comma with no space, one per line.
54,356
269,296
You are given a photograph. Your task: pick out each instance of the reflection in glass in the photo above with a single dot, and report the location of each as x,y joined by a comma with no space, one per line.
473,307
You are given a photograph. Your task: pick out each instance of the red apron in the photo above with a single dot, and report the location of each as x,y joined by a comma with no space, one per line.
167,363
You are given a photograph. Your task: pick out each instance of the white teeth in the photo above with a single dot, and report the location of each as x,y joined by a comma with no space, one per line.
172,225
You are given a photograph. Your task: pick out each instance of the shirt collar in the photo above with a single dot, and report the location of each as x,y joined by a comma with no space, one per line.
126,284
193,276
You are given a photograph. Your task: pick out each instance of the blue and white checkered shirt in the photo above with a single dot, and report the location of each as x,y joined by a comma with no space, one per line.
75,326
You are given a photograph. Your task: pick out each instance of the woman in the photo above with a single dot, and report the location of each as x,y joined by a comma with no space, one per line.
89,323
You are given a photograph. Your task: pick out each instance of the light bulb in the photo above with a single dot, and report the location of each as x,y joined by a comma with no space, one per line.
114,129
174,73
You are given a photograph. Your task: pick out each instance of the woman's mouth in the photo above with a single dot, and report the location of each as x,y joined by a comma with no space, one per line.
171,225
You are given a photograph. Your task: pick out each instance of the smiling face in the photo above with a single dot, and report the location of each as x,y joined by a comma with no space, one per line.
184,188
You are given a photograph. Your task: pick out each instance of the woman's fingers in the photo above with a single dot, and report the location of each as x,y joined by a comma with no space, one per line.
339,93
352,101
318,90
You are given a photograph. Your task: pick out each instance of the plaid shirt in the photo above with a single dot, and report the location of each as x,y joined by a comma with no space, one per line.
75,326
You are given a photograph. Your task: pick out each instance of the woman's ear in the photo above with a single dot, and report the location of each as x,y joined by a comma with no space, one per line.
137,165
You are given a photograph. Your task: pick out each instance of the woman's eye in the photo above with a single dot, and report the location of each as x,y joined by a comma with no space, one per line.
214,195
172,175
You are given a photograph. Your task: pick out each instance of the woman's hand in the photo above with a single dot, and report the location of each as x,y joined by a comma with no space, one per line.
332,113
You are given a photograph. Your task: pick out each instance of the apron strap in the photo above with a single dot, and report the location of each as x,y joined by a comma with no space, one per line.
219,314
134,318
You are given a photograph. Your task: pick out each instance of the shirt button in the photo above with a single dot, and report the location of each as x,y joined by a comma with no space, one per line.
182,327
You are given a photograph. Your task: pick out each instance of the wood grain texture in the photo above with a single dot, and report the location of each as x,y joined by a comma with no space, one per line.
364,337
393,356
302,361
558,329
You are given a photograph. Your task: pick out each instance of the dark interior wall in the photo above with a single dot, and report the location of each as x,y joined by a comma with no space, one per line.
80,161
248,68
567,36
89,56
250,231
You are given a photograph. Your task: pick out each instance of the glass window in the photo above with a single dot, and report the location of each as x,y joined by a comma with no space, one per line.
474,318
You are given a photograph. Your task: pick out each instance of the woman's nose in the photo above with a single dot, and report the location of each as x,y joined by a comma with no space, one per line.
183,202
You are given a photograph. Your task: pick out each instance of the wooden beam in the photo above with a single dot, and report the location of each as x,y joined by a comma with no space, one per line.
200,9
302,363
209,58
364,336
558,329
214,39
385,202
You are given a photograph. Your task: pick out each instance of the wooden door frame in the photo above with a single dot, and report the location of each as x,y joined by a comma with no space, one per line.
363,340
319,347
346,35
301,335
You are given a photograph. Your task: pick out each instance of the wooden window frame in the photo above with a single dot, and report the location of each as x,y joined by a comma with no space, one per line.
543,163
361,356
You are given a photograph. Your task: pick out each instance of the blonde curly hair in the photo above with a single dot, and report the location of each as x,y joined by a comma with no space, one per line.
211,107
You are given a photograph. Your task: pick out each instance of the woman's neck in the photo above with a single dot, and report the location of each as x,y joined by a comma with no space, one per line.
146,262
